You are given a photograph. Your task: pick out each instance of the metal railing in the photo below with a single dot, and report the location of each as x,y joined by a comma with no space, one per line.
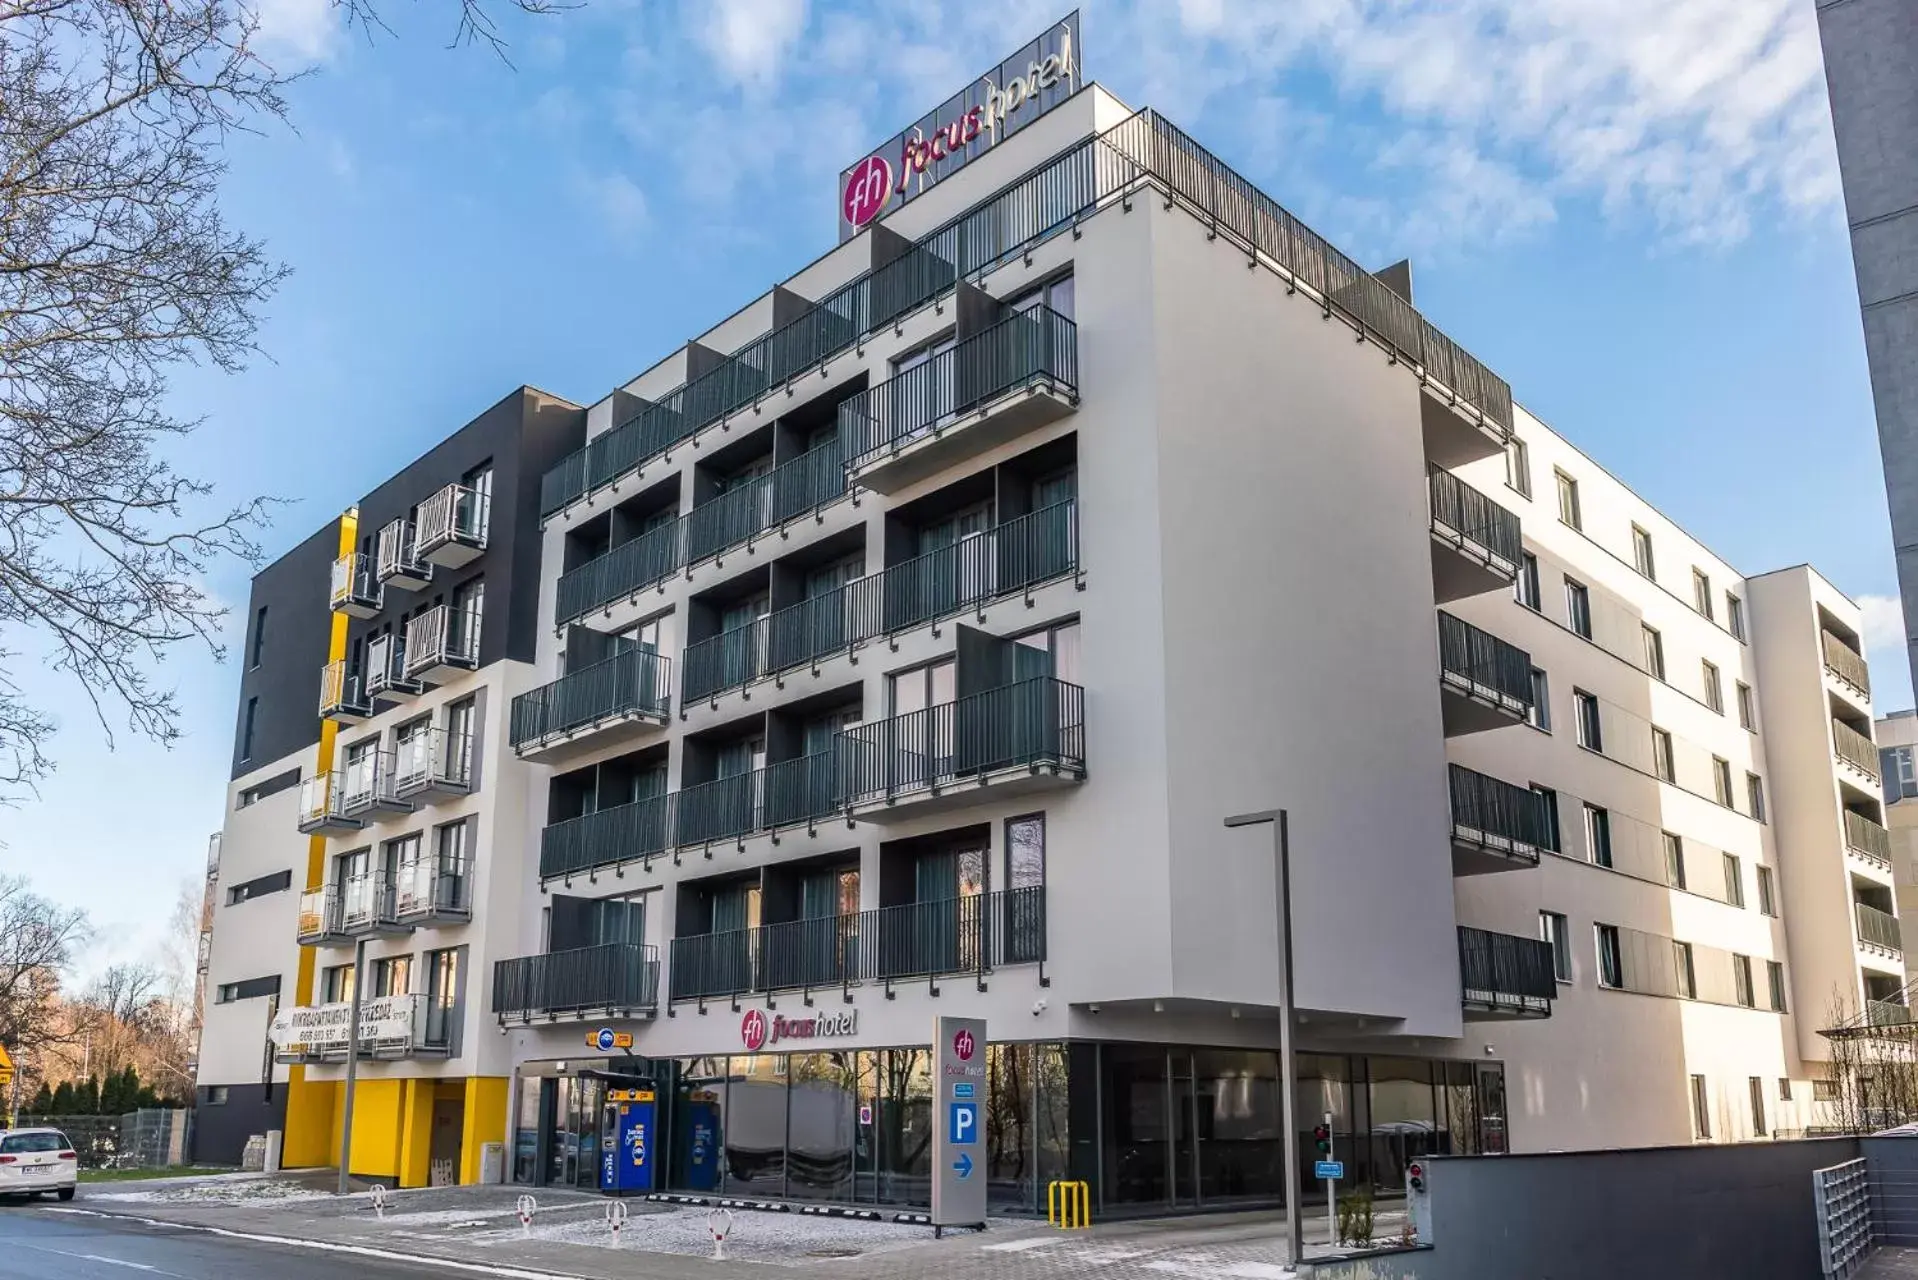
319,915
432,757
1496,815
397,552
1468,519
430,887
386,665
1878,928
1886,1013
1867,839
322,796
1846,663
807,483
612,976
606,838
1505,972
637,682
836,322
632,566
1019,554
1026,724
368,780
1026,348
368,901
354,583
914,940
442,636
1480,664
342,691
454,514
1854,748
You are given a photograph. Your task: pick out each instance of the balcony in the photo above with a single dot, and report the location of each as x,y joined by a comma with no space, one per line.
343,694
1847,664
1878,930
428,893
919,940
790,793
391,1028
1476,544
1466,409
323,805
606,838
622,573
397,558
1502,976
1854,749
1887,1013
319,919
369,786
1020,737
443,643
432,764
801,487
1496,826
1003,562
626,696
1867,840
452,526
355,591
386,670
616,979
1487,682
1010,379
369,905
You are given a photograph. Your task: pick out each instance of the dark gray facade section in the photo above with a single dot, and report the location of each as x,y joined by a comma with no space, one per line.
283,690
220,1129
1871,69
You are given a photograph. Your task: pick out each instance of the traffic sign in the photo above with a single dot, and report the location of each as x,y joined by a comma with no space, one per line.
964,1131
959,1067
1329,1169
963,1165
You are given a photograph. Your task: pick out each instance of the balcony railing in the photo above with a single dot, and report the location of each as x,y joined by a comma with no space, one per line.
1878,928
355,589
916,940
1030,724
433,759
1031,348
1012,558
1846,663
1867,839
398,558
1854,748
630,567
369,781
445,637
840,319
343,693
323,803
606,838
807,483
1495,816
1483,667
616,977
629,685
1886,1013
386,667
1474,524
319,918
453,525
369,903
390,1027
1501,973
430,891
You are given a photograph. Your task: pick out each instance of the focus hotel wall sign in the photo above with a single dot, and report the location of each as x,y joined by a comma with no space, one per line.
761,1030
1000,103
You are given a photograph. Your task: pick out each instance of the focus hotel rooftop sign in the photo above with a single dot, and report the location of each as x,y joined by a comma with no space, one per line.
1000,103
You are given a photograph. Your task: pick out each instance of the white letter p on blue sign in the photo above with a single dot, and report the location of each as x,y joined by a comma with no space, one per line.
964,1127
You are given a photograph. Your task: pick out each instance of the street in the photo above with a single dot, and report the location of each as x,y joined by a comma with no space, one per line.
36,1244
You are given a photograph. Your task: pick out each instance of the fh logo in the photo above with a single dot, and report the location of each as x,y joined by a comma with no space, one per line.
963,1045
868,188
753,1030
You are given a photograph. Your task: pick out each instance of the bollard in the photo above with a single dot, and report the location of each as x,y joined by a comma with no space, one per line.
379,1201
719,1222
1068,1205
615,1218
525,1207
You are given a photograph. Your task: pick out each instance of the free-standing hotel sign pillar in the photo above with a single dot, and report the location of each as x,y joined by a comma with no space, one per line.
959,1123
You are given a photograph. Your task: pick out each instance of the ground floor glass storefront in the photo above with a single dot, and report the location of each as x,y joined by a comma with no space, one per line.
1149,1127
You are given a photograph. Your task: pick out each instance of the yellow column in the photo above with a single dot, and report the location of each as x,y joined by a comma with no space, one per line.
484,1121
415,1131
310,1121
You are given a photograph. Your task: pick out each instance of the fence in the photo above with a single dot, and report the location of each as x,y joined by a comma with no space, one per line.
150,1138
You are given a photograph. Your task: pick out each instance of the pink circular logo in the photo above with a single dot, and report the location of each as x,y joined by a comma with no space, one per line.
868,188
962,1045
752,1030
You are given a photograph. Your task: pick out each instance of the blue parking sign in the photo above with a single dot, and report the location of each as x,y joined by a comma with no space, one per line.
963,1128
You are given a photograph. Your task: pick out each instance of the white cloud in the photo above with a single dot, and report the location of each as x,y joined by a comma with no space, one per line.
1884,637
1884,622
300,31
618,200
750,38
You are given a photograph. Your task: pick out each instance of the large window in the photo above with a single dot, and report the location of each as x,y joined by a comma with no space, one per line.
1554,929
248,989
1051,651
1026,851
393,976
442,995
1056,293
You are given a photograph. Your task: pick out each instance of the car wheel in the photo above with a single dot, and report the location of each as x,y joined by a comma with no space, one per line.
65,1193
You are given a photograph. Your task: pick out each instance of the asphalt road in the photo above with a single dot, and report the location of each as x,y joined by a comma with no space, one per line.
39,1245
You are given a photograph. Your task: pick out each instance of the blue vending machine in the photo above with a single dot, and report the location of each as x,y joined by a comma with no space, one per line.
626,1141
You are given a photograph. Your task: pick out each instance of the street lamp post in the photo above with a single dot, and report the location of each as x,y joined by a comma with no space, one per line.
1288,1069
352,1062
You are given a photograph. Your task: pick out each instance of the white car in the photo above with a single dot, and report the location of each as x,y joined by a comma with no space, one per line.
36,1161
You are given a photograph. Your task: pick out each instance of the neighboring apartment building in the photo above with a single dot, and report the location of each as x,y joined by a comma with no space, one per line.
1897,735
1871,71
382,814
902,642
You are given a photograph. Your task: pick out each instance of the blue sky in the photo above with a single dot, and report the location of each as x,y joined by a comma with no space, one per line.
1629,208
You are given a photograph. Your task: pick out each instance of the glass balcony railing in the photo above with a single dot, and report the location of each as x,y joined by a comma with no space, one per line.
616,977
429,758
1016,726
368,781
369,903
1501,973
636,683
432,891
323,803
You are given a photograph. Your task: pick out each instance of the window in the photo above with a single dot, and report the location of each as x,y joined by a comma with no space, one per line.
1578,608
393,976
1598,835
1642,553
1050,651
1525,586
1702,594
1742,981
463,621
1722,780
1662,755
1055,293
250,989
336,984
442,995
1747,717
1611,964
1701,1109
1540,714
1734,880
1654,652
1784,1089
1518,466
246,728
1755,795
1683,970
1767,903
272,786
1568,500
258,887
459,740
1026,851
1714,690
1758,1106
1735,615
255,650
1548,800
1898,766
216,1095
1591,733
1552,927
1775,981
1674,860
919,688
1824,1091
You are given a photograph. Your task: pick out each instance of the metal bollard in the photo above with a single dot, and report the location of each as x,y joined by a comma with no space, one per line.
616,1213
379,1201
526,1207
1068,1205
713,1224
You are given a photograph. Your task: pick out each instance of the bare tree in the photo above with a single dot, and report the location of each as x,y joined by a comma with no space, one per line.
116,265
38,939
